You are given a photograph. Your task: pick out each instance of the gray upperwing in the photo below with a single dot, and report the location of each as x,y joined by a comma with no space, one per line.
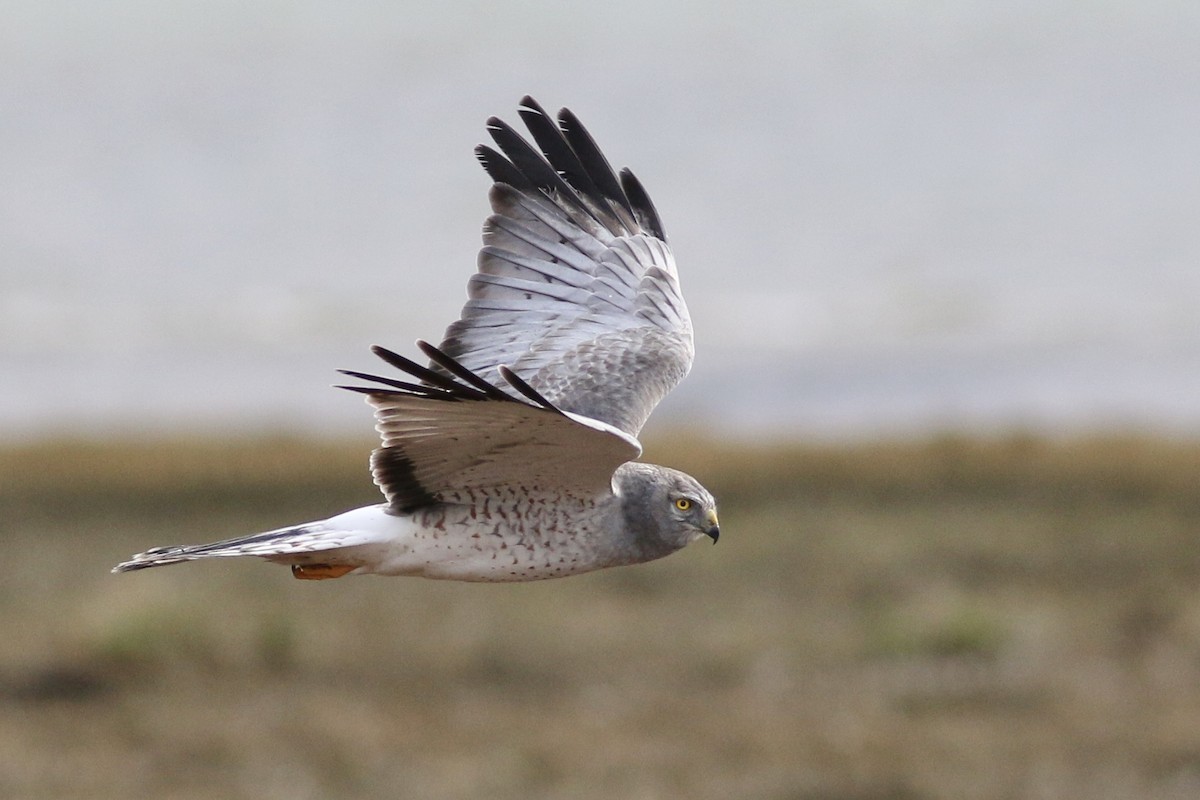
577,290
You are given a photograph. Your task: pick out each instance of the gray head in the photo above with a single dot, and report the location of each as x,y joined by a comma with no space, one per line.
664,509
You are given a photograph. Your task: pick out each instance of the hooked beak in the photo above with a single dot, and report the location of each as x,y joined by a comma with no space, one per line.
714,529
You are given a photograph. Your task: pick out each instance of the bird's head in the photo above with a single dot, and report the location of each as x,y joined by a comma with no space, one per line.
667,509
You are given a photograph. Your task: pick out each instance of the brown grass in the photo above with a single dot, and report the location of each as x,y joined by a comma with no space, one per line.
952,618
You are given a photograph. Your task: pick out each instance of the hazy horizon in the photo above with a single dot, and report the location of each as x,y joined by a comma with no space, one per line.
889,218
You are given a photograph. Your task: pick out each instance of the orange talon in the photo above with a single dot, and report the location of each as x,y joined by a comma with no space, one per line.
320,572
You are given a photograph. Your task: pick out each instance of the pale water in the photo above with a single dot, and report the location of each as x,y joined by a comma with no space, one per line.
889,217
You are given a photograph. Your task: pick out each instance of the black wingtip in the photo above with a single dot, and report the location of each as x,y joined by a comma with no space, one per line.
643,208
367,390
406,387
517,382
456,369
529,104
425,374
394,359
596,164
532,165
500,169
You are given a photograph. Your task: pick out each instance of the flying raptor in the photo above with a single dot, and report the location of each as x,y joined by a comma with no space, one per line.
511,455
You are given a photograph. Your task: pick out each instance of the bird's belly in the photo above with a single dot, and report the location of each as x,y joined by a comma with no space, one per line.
452,542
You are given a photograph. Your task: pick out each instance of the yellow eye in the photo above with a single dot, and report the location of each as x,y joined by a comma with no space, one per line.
683,504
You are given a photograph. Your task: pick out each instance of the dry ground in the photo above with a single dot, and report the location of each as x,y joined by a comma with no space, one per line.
1003,618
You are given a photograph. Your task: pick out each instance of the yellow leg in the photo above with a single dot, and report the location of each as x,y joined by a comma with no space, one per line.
320,572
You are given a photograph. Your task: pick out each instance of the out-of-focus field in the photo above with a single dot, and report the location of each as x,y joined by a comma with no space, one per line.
954,618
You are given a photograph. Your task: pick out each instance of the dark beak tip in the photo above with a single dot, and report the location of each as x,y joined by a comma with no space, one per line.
714,532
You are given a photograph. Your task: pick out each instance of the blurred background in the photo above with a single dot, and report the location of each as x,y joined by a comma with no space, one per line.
942,263
889,216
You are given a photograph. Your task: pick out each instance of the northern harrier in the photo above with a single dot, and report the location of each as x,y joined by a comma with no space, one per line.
510,457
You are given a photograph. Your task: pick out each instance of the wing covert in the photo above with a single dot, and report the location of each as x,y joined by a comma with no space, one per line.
457,433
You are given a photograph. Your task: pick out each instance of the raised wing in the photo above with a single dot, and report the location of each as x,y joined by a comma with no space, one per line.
455,432
577,290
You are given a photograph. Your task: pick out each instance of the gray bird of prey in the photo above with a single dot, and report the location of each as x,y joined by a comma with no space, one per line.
510,457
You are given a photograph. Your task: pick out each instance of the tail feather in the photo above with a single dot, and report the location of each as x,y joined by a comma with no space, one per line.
277,545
